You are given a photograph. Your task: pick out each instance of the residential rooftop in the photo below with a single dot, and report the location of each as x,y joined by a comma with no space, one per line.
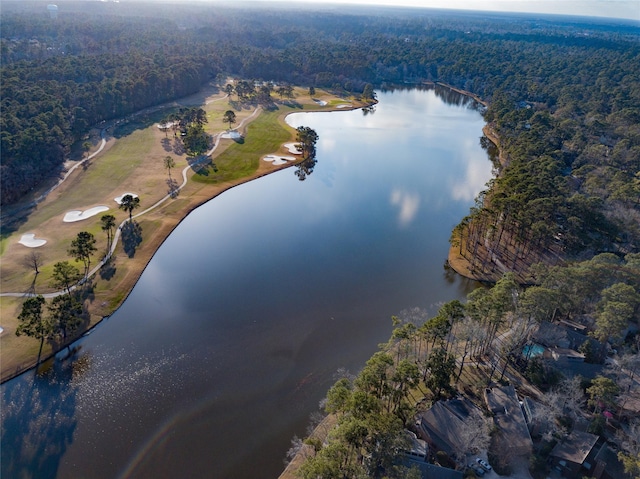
576,447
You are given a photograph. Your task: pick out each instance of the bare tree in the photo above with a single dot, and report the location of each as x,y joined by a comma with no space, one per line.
567,399
623,370
474,437
33,260
629,440
470,332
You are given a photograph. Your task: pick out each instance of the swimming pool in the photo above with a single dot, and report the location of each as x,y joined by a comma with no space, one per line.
531,350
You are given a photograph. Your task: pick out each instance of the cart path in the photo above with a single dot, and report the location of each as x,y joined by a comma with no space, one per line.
117,235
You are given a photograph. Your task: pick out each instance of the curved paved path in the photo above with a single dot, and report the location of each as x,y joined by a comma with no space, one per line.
116,237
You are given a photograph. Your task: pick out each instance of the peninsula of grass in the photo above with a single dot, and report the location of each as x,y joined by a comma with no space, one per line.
132,160
265,135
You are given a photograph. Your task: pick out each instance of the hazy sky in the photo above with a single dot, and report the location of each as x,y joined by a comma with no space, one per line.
599,8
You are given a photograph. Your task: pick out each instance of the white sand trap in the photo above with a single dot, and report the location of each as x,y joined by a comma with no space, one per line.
321,102
233,135
293,148
165,126
118,199
344,105
29,240
279,160
77,215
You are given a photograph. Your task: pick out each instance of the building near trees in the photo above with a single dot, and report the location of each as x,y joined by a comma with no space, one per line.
508,417
577,451
443,425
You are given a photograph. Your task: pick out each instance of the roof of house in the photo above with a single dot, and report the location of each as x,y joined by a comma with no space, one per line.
613,466
549,334
571,354
529,407
445,420
508,415
576,447
559,335
416,447
443,425
431,471
571,368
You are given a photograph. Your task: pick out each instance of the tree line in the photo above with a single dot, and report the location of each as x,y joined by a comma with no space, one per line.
571,137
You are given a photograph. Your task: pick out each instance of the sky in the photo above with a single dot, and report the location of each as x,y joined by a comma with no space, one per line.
629,9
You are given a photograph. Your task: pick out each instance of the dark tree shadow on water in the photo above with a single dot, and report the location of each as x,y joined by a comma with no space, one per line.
131,237
39,419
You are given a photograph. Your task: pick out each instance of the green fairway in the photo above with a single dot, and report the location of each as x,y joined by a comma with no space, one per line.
264,135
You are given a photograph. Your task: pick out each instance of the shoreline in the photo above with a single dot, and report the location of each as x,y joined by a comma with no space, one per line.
163,222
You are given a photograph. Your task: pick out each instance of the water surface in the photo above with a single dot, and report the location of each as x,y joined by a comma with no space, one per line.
238,324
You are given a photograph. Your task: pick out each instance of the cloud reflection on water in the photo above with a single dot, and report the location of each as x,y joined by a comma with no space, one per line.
407,203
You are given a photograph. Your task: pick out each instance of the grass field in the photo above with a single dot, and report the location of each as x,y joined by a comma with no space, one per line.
265,135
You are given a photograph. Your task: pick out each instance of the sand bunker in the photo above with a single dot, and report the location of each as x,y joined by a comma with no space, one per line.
344,105
321,102
29,240
77,215
278,159
293,148
234,135
118,199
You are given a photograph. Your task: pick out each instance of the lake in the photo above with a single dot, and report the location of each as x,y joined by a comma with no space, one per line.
239,323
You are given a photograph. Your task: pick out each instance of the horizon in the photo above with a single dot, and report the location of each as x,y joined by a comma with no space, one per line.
621,9
606,9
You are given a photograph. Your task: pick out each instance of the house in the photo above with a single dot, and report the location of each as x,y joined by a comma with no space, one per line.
630,404
508,417
431,471
576,452
531,414
439,426
607,465
417,450
566,335
562,343
566,354
442,425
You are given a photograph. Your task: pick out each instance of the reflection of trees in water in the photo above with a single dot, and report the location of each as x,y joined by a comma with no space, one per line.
369,110
131,237
39,418
451,97
492,150
447,95
305,168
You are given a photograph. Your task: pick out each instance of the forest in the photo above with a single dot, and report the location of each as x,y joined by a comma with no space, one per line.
562,95
486,342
